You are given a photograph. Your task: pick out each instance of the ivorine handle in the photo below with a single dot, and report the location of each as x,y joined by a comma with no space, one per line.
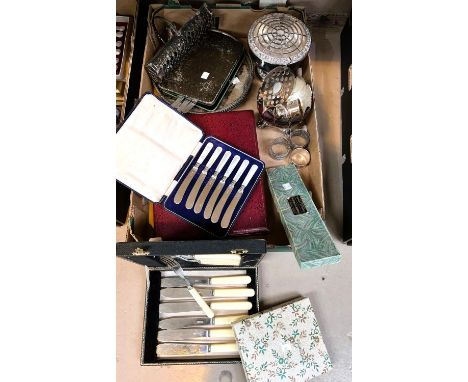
223,161
206,309
224,348
227,320
214,157
205,152
222,333
250,175
230,280
234,292
241,170
231,305
221,259
232,165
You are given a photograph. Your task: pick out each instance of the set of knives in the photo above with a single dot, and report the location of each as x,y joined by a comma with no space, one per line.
184,330
197,199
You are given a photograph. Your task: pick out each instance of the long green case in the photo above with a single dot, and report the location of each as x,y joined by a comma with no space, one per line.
307,233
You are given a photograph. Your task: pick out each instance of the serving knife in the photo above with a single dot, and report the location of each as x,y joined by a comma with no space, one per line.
178,351
196,335
214,196
170,262
219,207
199,322
201,199
193,194
235,200
174,282
183,187
170,294
178,309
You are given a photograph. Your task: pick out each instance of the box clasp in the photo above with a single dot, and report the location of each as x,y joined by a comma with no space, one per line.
140,252
239,251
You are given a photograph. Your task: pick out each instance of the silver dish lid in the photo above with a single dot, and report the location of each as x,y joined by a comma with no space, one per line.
279,39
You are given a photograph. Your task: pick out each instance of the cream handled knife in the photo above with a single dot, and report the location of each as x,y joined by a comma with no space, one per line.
199,322
170,294
178,309
183,187
174,282
196,335
219,207
235,200
181,351
211,181
214,196
193,194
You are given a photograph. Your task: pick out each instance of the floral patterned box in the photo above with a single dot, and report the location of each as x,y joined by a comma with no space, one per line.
306,231
282,344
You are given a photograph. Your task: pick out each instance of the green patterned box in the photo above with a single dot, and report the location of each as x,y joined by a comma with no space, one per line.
307,233
282,344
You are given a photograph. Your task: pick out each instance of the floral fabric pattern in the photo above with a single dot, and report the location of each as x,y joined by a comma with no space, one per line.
283,344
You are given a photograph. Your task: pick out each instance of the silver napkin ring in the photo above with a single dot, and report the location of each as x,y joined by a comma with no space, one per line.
299,138
300,157
279,148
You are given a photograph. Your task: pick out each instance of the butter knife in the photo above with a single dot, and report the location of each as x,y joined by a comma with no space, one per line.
201,199
214,196
196,335
171,294
193,194
183,187
235,200
199,322
174,282
219,207
178,351
178,309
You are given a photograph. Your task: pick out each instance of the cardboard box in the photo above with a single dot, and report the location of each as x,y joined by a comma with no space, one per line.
237,21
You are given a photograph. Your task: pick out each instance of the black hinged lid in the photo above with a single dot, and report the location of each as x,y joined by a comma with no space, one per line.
147,253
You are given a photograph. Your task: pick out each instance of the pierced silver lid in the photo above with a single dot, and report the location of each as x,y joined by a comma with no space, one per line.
279,39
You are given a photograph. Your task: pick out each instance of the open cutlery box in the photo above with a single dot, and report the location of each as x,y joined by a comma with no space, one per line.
148,253
165,158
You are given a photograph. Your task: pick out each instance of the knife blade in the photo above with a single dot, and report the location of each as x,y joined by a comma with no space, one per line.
193,194
207,294
178,309
219,207
177,351
214,196
196,335
183,187
174,282
201,199
199,322
235,201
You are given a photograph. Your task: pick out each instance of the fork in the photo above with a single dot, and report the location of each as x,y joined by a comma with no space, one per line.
175,266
